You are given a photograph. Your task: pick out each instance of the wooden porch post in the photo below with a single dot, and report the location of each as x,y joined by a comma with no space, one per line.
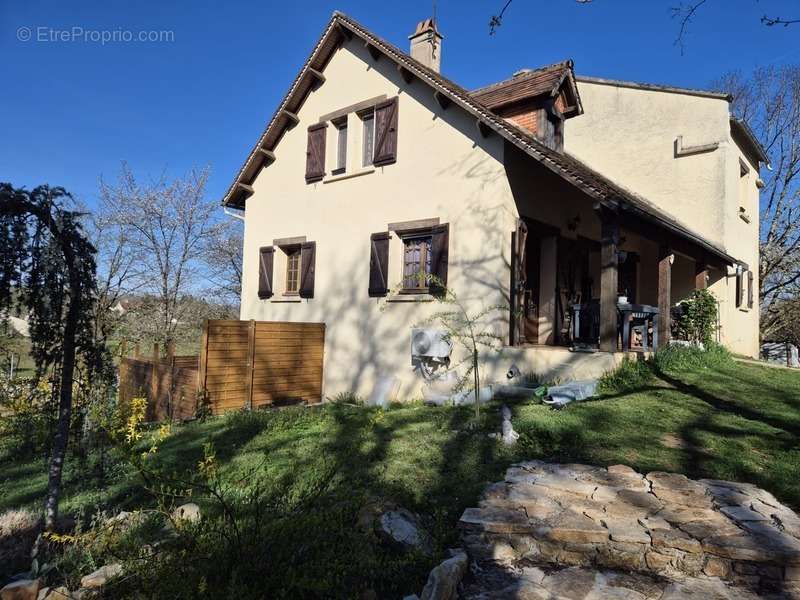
665,259
517,291
608,283
700,274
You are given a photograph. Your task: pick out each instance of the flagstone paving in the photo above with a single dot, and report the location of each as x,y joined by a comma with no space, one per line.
576,531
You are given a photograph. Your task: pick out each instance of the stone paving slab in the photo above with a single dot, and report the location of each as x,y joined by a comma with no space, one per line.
711,538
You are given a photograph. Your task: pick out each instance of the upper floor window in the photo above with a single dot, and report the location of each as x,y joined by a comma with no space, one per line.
745,191
368,137
743,168
378,138
341,146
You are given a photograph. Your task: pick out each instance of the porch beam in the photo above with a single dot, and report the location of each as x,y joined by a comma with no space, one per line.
609,277
665,260
677,244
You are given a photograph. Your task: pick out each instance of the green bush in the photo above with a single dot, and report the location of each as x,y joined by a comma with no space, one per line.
628,376
698,318
26,416
676,358
204,406
347,398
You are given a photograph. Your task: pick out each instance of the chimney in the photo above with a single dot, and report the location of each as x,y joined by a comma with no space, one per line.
426,44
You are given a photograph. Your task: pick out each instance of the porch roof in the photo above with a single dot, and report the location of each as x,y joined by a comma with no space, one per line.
341,27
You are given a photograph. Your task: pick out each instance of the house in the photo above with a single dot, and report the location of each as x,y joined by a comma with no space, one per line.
562,198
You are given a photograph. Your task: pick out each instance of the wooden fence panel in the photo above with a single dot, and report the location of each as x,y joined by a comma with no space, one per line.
250,364
169,384
242,364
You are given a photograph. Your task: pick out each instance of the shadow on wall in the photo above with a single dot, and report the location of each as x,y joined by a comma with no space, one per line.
367,339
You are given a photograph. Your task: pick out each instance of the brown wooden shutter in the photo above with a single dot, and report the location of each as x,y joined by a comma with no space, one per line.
265,256
440,242
379,264
749,289
739,289
315,153
519,270
308,251
386,132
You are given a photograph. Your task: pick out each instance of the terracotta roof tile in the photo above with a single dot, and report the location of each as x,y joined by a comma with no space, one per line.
524,85
570,168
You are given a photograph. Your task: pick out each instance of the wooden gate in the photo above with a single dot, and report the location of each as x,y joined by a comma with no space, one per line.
249,364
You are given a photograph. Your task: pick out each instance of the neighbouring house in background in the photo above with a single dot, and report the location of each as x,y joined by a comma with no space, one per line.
588,207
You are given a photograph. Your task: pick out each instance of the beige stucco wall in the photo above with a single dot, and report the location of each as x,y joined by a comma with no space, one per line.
739,326
477,185
629,135
443,170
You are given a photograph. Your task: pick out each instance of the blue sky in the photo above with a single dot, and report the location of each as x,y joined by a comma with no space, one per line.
71,111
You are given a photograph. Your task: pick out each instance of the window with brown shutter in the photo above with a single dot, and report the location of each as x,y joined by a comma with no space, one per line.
440,250
749,289
416,263
367,137
386,132
341,146
739,287
265,256
292,271
308,252
315,153
425,258
379,264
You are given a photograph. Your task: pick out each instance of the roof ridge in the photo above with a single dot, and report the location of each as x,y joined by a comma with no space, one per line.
656,87
565,64
593,183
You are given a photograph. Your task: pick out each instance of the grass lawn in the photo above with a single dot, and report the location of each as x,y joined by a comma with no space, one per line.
731,421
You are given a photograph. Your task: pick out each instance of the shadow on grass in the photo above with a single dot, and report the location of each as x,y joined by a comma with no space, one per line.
339,459
786,424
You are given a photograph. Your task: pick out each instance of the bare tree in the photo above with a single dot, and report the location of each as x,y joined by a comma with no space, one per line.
684,13
119,265
769,101
224,259
169,226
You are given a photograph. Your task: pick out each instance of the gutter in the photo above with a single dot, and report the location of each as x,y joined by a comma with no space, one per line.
743,128
236,215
